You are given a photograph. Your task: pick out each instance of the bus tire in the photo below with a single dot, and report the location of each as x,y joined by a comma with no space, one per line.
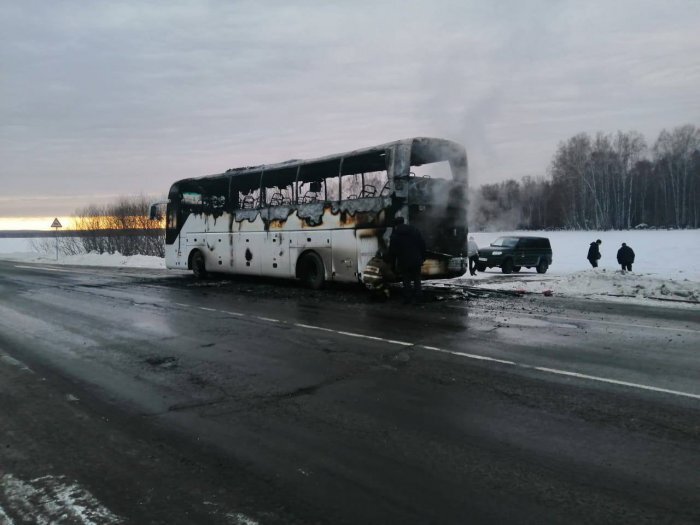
311,271
197,264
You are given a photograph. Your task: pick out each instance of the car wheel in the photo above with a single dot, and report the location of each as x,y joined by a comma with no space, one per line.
311,271
480,267
507,266
516,269
198,267
542,266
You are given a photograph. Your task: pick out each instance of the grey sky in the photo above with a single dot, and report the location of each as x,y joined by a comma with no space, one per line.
99,99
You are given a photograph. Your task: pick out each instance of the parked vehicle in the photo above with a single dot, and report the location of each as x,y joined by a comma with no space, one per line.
512,253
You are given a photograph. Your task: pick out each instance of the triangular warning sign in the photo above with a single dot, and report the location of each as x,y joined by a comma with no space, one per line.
56,223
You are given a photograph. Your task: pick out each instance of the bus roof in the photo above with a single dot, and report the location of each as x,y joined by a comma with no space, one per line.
424,150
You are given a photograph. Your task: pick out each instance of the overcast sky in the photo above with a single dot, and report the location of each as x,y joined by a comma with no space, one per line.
99,99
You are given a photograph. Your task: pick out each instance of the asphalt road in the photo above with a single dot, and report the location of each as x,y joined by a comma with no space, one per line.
142,396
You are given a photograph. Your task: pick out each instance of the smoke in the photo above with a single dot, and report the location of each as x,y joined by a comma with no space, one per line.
493,212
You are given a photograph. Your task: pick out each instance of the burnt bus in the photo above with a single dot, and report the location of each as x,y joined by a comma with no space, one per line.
322,219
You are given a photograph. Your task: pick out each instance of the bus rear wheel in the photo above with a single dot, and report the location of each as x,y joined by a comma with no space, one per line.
197,264
311,271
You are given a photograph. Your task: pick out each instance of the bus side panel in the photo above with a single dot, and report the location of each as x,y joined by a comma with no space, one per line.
248,252
217,253
317,241
344,255
275,257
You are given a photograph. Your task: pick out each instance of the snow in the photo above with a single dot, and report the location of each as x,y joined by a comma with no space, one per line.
667,265
21,249
50,499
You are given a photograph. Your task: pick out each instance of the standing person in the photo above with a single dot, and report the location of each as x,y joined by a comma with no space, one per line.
407,250
473,254
594,253
625,257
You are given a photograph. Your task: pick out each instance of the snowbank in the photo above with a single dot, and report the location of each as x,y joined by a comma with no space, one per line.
21,250
667,265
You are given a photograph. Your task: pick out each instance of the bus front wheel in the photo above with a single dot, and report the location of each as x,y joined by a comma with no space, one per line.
198,267
311,270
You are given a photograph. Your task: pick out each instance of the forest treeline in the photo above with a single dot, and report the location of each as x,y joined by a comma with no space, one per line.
606,181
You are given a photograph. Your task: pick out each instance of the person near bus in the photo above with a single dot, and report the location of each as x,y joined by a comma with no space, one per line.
625,257
407,251
594,253
472,254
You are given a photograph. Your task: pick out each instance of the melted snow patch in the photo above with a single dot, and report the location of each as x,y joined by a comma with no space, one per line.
51,499
241,519
4,518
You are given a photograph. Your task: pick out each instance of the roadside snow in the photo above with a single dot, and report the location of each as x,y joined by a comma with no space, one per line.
667,265
50,499
21,250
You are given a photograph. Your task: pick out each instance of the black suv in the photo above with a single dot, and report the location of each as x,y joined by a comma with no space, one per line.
512,253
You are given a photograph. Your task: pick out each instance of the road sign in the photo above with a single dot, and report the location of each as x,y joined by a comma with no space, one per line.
56,224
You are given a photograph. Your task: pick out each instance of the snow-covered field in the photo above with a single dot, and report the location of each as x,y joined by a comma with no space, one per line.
23,250
667,265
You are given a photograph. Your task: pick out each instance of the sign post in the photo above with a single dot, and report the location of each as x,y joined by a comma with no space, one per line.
56,224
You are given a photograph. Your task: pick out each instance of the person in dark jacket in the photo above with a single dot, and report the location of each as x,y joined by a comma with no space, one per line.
594,253
625,257
473,254
407,251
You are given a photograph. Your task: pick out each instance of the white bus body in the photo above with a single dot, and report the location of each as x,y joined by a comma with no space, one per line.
297,218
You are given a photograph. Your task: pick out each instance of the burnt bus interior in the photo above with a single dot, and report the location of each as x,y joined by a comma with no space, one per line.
436,206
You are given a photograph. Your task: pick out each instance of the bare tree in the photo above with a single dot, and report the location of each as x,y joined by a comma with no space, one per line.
674,154
122,227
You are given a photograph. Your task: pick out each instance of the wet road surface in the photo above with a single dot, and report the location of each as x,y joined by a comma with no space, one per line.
166,400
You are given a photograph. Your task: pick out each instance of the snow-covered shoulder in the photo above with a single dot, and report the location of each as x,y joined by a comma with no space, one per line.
598,283
88,259
666,269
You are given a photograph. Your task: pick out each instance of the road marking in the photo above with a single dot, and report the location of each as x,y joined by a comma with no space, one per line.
353,334
182,304
616,382
470,356
313,327
208,309
47,268
479,357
